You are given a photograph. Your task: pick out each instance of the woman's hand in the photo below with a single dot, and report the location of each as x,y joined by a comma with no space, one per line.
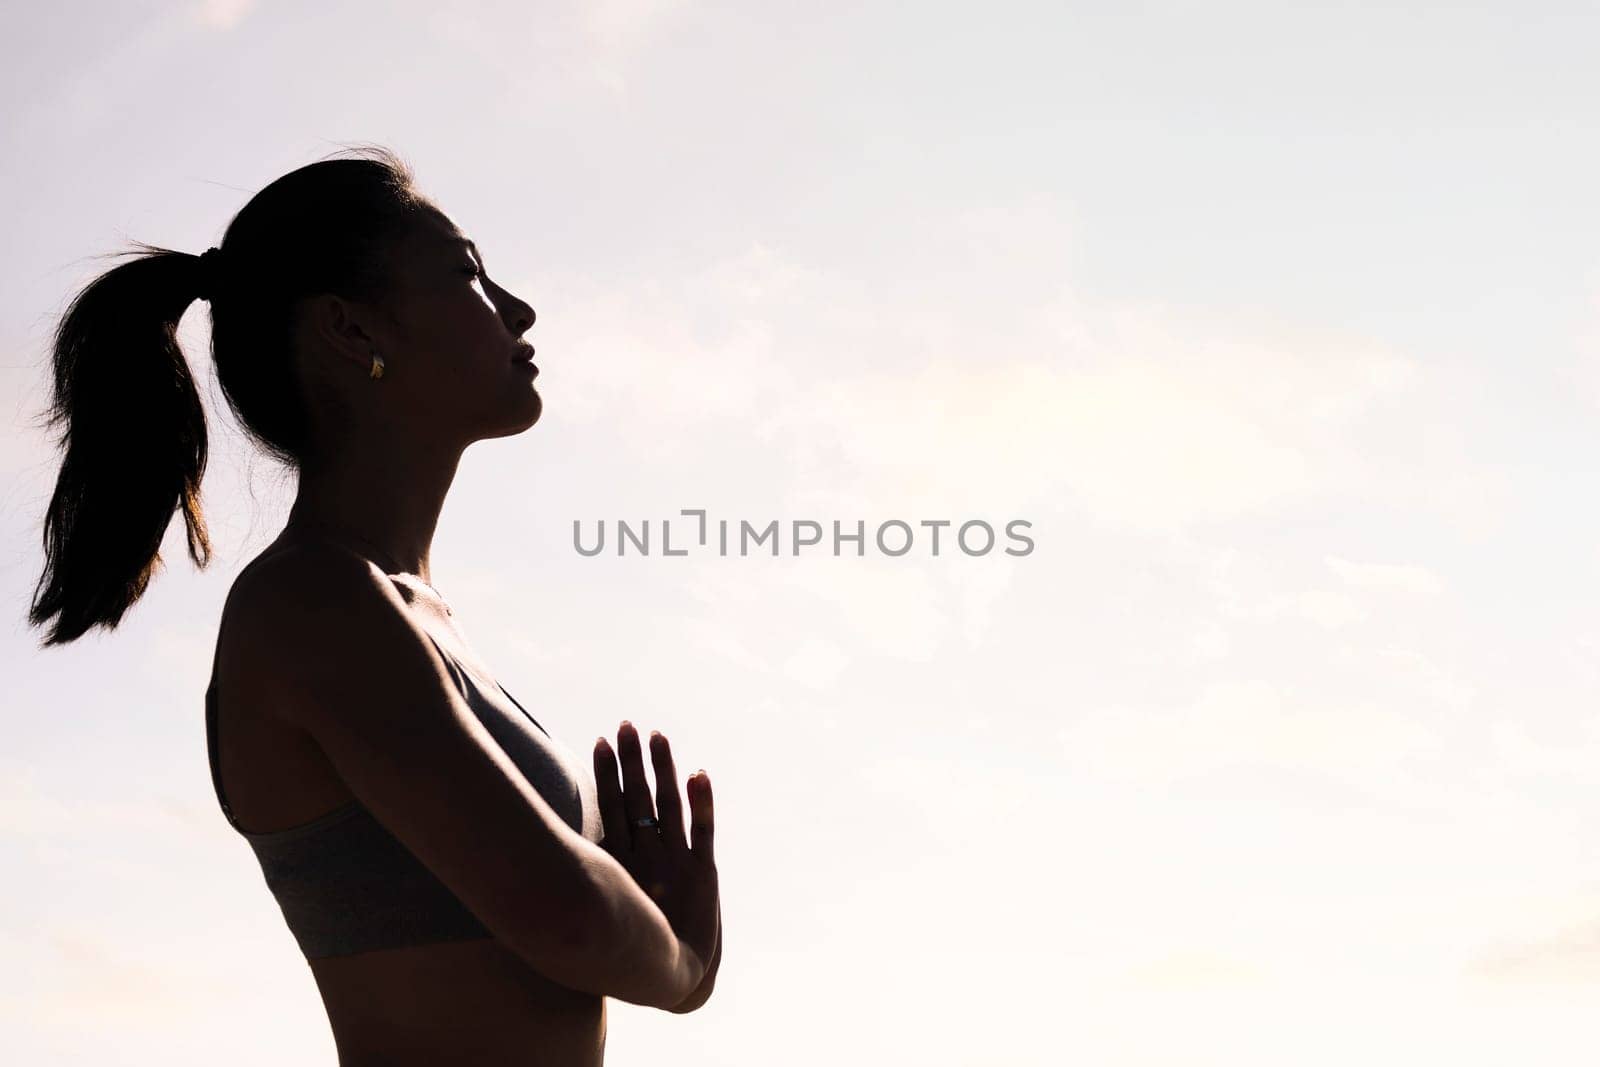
678,873
702,992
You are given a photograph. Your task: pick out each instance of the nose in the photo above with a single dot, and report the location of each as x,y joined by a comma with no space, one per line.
518,314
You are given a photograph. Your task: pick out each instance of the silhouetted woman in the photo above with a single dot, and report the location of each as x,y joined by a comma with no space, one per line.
465,891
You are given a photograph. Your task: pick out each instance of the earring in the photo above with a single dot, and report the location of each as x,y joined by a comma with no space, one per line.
377,366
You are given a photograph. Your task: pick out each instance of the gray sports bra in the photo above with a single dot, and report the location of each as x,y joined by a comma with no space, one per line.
345,884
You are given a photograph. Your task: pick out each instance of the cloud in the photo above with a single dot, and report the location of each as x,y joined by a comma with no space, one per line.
617,30
28,810
222,14
1571,955
534,49
1197,970
817,663
1406,578
1139,415
1244,723
1329,609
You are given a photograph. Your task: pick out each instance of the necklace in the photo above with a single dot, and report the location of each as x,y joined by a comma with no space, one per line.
381,556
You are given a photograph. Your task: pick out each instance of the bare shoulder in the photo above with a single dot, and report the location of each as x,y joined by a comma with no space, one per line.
301,568
317,629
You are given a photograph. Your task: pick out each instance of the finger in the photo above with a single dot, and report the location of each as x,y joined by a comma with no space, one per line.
702,815
636,798
608,792
668,804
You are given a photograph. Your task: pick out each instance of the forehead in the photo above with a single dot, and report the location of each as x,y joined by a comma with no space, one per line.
435,232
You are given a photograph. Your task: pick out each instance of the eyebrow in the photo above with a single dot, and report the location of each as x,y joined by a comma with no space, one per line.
470,247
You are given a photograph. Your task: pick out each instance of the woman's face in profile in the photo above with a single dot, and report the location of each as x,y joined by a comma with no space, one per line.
458,335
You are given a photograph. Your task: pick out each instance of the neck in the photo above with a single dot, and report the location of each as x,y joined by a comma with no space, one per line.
385,500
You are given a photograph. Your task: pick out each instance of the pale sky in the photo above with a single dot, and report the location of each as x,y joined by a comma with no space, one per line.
1280,326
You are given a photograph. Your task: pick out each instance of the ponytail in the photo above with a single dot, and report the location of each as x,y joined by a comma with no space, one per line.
133,436
133,432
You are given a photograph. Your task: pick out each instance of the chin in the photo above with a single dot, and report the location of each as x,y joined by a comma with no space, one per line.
525,421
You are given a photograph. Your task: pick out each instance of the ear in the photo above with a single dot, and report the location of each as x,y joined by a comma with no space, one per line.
347,328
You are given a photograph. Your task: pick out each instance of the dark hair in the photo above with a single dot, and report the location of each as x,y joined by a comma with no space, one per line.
133,431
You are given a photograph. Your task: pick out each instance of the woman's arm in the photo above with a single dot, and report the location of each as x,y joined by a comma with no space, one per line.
353,671
702,992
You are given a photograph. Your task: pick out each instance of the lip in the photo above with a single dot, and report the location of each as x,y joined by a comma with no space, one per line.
524,354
